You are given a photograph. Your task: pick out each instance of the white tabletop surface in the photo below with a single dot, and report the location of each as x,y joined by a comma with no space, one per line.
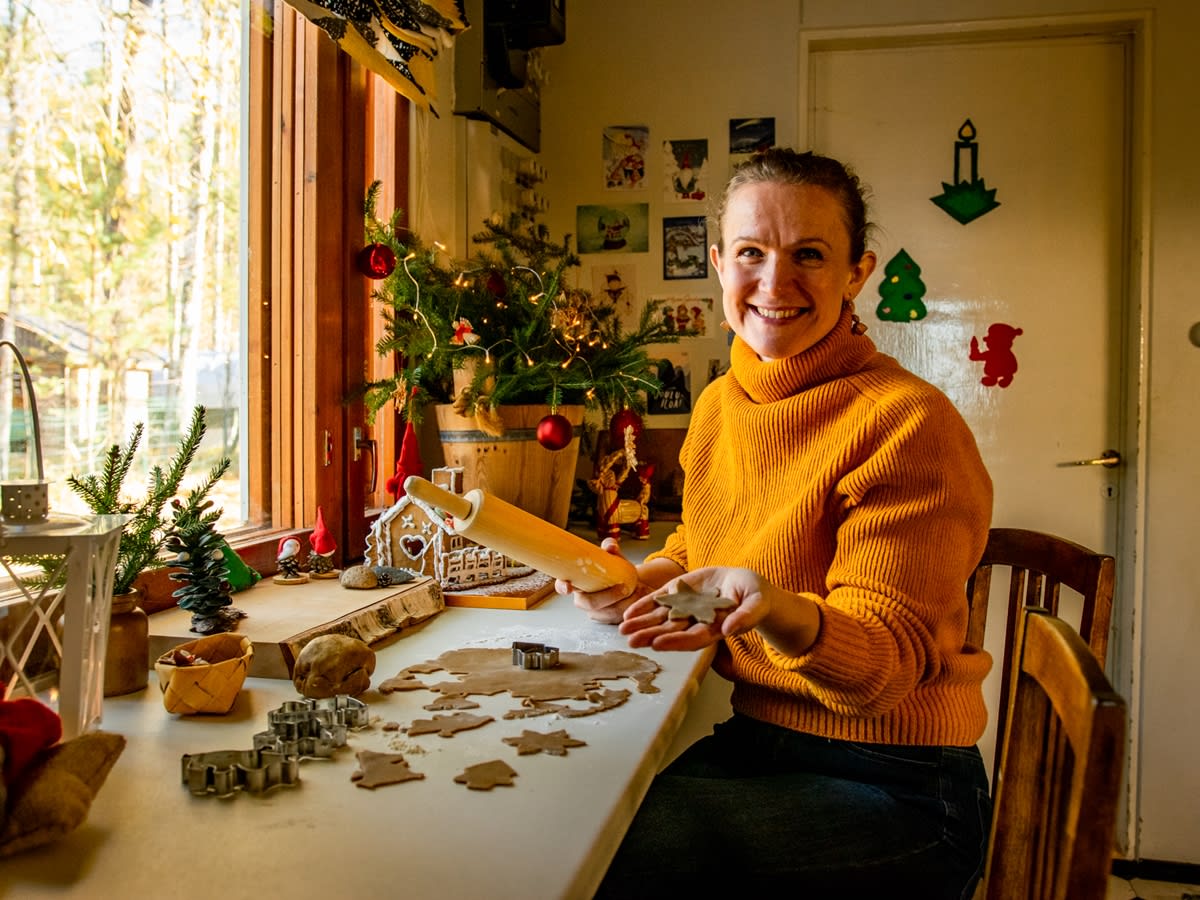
550,835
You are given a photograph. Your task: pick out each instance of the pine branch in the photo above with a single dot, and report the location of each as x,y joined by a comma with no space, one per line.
142,537
507,308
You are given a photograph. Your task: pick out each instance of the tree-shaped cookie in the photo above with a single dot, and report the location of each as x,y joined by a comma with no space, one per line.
486,775
555,742
685,602
377,769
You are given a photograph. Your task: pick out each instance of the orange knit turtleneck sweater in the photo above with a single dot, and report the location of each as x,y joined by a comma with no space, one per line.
842,476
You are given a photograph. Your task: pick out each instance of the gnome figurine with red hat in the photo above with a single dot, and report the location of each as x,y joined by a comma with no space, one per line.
320,558
288,559
409,463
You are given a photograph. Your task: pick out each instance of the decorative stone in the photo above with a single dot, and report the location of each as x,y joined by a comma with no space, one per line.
333,664
359,577
389,575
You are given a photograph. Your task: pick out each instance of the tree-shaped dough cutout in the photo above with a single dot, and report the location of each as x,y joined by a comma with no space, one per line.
377,769
486,775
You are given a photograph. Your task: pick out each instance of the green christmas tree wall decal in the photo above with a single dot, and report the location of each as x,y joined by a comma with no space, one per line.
901,290
964,201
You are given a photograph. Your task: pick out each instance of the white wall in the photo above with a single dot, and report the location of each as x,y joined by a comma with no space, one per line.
684,67
1168,629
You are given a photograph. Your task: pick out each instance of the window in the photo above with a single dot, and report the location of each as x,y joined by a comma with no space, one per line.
121,216
175,233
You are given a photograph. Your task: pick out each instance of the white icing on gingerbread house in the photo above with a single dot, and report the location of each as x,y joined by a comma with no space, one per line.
412,535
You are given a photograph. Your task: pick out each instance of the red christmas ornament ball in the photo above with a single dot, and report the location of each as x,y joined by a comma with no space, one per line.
376,261
622,419
495,285
554,432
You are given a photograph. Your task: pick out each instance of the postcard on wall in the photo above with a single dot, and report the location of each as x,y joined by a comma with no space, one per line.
618,285
716,368
685,165
685,316
748,136
625,149
685,247
674,371
619,228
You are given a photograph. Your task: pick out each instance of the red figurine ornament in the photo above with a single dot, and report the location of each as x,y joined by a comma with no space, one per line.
408,463
320,559
622,419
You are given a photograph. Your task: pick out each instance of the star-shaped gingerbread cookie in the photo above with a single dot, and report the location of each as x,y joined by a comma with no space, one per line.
555,742
447,726
685,602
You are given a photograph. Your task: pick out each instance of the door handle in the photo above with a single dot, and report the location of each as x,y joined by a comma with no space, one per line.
1110,459
364,443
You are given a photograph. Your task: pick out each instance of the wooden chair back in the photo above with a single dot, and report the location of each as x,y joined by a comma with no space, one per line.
1038,565
1060,772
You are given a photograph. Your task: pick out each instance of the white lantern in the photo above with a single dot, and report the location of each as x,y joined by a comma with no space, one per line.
26,502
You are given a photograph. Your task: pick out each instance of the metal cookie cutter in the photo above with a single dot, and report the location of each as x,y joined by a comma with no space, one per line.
528,655
222,772
311,727
341,709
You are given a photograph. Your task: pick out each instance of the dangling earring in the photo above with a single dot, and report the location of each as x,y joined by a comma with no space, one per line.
856,324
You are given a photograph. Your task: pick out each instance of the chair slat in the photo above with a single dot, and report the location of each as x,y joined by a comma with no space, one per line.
1038,565
1060,773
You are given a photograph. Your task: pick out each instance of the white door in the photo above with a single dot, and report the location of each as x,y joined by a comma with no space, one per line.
1050,120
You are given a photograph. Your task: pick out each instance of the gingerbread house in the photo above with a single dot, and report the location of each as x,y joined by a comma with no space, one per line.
411,534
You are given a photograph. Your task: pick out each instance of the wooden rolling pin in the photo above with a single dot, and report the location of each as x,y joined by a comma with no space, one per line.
507,529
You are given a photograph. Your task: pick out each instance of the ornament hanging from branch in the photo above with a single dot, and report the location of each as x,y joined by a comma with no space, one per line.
966,200
376,261
554,432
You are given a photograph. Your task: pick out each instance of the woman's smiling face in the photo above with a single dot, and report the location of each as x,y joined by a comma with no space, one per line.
785,266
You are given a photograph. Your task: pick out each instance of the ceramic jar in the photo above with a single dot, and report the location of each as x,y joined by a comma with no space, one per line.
127,660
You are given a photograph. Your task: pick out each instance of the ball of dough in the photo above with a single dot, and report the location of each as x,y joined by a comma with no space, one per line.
333,664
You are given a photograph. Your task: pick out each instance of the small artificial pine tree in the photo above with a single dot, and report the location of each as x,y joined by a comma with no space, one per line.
509,311
199,552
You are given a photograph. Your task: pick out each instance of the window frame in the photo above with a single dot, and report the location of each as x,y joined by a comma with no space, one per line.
320,129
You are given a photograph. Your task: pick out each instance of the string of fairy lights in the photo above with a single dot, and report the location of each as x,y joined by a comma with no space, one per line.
506,316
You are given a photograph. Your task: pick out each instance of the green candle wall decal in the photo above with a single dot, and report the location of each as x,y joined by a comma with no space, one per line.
966,199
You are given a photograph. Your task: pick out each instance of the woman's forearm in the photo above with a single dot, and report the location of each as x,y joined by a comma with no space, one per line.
793,623
655,573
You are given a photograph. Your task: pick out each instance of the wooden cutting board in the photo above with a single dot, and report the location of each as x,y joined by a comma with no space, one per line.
282,618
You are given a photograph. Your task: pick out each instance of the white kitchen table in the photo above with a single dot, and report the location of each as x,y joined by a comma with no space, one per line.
551,835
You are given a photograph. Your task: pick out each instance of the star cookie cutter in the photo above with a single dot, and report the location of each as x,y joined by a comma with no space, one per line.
222,772
529,655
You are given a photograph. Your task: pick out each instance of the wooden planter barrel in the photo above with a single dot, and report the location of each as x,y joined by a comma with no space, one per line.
514,466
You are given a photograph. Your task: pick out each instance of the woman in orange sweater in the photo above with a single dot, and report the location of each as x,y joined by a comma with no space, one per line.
841,503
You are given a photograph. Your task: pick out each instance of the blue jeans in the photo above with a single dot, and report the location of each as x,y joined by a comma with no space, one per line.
756,807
